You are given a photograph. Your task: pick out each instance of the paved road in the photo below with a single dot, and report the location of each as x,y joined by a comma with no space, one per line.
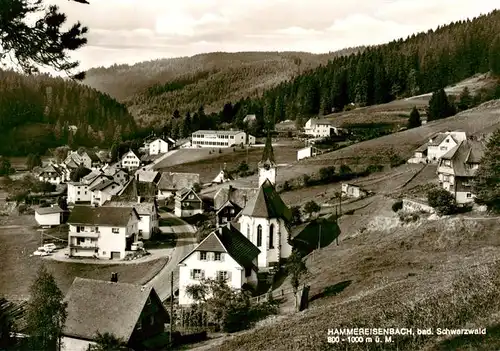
186,241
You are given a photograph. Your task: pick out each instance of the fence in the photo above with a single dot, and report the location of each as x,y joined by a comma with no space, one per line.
276,295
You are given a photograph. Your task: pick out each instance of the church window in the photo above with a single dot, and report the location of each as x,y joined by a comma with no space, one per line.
271,236
259,235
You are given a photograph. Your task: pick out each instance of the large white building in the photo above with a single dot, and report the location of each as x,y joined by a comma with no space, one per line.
130,161
102,232
319,128
441,143
223,254
220,138
160,146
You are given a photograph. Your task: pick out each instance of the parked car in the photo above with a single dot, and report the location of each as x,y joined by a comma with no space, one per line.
138,245
41,252
50,247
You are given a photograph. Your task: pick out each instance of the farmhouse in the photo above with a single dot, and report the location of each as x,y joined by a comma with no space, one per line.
132,313
103,232
353,190
187,203
170,183
130,161
148,215
319,128
265,219
218,138
440,144
457,168
161,146
54,174
228,202
223,254
85,158
103,191
49,216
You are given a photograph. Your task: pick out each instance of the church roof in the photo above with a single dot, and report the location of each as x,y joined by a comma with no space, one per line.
268,153
267,204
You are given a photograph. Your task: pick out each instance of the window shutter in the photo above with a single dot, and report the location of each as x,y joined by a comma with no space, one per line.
222,257
191,273
202,274
199,255
228,276
211,256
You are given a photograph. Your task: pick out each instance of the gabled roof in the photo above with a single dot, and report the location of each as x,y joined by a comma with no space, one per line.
103,185
268,153
228,239
183,193
267,204
147,176
130,152
177,181
230,203
49,210
132,189
143,208
92,155
422,148
91,176
466,152
238,196
104,306
107,216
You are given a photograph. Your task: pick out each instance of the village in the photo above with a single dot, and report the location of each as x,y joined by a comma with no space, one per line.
113,211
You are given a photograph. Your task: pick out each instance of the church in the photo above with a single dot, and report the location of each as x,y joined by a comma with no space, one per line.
265,218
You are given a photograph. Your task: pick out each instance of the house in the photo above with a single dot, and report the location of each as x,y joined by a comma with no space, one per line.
223,254
441,143
148,215
103,232
250,119
147,176
130,161
457,168
250,139
86,158
49,216
161,146
353,190
228,202
265,219
306,152
78,193
54,174
420,155
102,192
132,313
218,138
222,177
170,183
319,128
187,203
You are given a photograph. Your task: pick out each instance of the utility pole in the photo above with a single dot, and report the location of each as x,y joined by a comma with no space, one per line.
171,305
337,222
319,236
41,237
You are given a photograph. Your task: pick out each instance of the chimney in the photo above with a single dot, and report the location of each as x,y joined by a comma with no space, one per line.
114,277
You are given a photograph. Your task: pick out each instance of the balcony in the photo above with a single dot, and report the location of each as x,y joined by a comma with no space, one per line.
84,246
84,234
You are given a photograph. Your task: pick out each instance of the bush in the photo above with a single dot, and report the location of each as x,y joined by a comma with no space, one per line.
220,151
374,169
442,201
327,174
306,180
286,186
398,205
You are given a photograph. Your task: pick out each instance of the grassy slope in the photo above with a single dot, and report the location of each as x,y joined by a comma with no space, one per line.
238,74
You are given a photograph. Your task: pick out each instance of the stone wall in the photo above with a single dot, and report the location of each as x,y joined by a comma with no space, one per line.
413,205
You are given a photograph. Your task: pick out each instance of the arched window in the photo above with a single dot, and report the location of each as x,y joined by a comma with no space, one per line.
271,236
259,235
248,231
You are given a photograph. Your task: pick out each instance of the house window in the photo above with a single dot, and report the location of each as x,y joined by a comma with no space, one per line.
197,274
78,192
248,231
222,275
248,272
203,256
217,256
443,148
259,235
271,236
191,197
469,195
115,230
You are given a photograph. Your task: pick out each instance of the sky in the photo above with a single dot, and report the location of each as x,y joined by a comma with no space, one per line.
130,31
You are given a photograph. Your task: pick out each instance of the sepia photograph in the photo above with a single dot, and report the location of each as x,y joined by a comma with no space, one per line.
249,175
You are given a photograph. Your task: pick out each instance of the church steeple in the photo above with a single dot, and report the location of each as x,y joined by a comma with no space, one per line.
267,165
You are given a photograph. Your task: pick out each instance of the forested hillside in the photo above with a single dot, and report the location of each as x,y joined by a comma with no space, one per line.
157,88
35,112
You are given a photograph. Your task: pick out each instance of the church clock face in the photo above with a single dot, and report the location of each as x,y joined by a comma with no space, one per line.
267,167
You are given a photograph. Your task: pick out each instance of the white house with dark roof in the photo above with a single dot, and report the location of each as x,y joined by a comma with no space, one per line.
130,161
223,254
187,203
319,128
49,216
148,215
161,146
228,202
132,313
54,174
265,219
218,138
102,232
171,182
441,143
103,191
457,169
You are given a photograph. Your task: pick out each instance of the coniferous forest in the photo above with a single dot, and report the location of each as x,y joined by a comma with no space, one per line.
40,112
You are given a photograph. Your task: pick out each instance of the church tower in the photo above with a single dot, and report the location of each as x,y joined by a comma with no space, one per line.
267,165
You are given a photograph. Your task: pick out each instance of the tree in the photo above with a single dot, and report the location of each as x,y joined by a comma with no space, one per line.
485,185
31,44
311,207
465,100
494,56
33,160
327,174
414,120
62,203
296,215
442,201
46,312
439,106
60,153
8,314
114,152
108,342
5,166
196,187
79,173
296,269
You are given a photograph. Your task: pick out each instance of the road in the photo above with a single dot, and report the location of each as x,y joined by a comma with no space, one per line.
151,166
186,242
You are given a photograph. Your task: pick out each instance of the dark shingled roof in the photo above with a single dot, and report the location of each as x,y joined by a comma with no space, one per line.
97,305
109,216
229,239
238,196
103,185
268,153
177,181
267,204
467,152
